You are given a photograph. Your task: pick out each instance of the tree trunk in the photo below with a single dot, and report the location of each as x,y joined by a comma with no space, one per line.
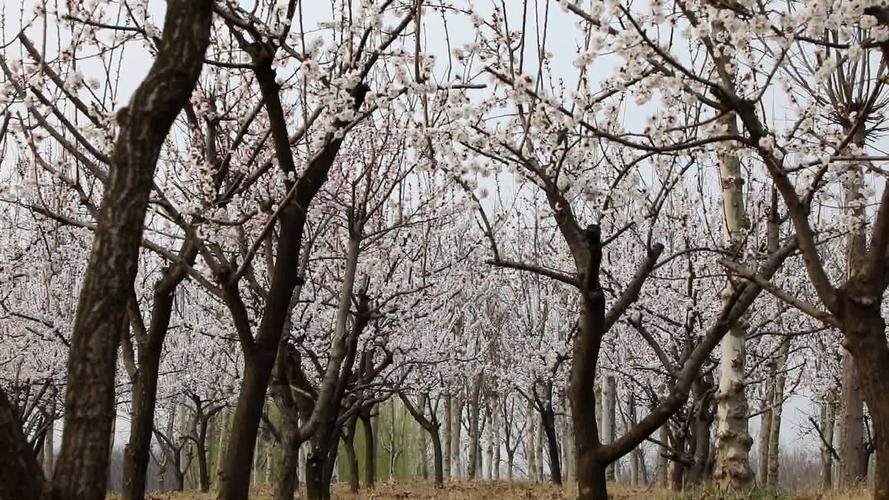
49,447
137,451
449,432
437,458
456,429
144,394
865,332
261,351
733,442
828,410
370,451
472,465
609,405
591,482
288,480
850,447
82,467
765,427
663,467
20,473
777,410
351,457
548,422
316,487
702,390
531,442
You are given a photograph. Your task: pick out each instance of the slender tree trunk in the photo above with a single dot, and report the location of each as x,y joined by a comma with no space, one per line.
531,442
449,433
765,427
144,378
777,410
82,467
472,465
548,422
137,451
351,456
370,450
828,410
437,457
701,423
608,430
663,465
49,447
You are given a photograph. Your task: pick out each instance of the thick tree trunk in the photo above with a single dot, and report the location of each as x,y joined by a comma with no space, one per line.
591,481
82,466
316,486
865,332
288,479
850,447
702,390
733,441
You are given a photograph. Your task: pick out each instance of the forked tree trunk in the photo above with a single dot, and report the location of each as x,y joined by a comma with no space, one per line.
82,467
144,377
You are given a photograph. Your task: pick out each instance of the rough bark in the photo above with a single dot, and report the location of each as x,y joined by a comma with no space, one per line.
82,466
732,469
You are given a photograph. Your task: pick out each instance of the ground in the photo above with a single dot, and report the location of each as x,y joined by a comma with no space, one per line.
484,490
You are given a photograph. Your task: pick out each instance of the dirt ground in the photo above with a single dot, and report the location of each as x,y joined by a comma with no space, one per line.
483,490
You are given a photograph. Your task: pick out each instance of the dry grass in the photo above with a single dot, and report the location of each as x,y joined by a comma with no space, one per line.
485,490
